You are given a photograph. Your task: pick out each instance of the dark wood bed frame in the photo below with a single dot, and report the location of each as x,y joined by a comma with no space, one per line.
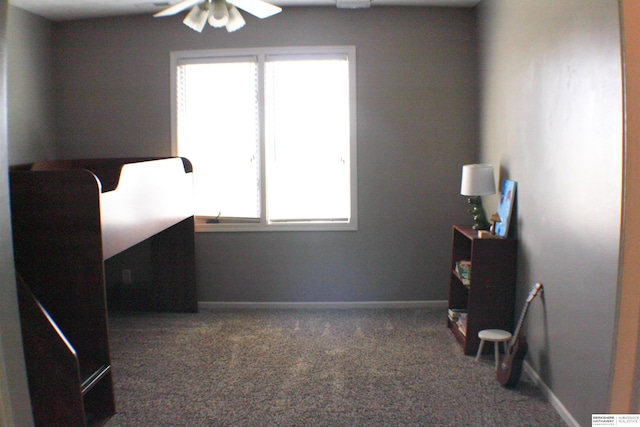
68,218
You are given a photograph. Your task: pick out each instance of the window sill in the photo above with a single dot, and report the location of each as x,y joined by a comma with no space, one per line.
202,226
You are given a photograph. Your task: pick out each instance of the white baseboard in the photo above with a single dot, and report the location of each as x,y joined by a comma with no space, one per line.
211,305
555,402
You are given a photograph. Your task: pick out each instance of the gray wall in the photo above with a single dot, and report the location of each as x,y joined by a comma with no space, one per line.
14,395
417,124
30,88
552,119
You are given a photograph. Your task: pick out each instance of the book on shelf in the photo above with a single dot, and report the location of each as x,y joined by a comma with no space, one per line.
465,282
462,329
454,313
463,271
462,323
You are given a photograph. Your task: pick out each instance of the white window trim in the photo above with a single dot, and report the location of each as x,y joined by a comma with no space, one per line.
201,223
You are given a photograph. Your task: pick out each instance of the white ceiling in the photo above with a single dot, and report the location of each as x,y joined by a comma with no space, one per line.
59,10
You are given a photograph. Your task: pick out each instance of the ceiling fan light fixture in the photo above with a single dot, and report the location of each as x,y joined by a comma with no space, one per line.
236,21
196,19
219,14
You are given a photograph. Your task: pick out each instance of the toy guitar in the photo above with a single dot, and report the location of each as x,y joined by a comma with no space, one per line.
510,366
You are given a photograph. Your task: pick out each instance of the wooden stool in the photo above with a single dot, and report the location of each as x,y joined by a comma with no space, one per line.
496,336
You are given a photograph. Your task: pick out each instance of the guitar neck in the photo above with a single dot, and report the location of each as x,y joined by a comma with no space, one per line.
516,333
536,289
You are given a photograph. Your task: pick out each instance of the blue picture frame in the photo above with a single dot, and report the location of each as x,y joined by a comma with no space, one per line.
505,207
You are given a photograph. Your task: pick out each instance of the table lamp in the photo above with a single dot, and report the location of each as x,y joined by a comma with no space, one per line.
477,181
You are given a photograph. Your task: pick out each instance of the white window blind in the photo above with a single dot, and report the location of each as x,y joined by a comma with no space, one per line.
271,135
307,123
218,131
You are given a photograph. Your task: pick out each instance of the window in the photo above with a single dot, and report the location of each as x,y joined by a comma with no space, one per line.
271,135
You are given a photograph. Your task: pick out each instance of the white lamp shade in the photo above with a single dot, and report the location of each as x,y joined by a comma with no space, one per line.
477,180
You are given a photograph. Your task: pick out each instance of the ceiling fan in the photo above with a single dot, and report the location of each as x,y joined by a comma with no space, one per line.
219,13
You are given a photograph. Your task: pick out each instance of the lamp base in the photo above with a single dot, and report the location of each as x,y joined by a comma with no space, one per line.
479,217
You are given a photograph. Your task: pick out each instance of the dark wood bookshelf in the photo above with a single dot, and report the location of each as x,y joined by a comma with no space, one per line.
489,296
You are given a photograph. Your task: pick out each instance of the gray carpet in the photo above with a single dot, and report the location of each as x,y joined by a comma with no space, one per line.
308,368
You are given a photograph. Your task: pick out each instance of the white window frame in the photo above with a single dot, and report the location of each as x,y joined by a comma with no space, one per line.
204,224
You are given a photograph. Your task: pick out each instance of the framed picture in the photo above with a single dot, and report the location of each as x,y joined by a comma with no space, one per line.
505,207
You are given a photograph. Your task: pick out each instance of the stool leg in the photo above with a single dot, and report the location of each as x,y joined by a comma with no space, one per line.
480,350
496,351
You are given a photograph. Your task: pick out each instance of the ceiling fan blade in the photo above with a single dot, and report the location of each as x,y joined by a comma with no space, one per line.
176,8
258,8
